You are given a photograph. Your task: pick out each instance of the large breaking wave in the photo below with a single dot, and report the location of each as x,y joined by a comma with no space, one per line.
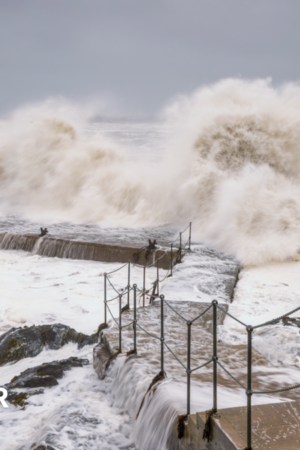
231,165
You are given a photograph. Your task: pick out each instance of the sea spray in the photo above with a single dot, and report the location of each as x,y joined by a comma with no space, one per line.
230,165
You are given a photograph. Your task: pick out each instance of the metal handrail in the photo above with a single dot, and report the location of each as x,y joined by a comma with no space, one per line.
214,305
116,270
189,371
214,360
157,281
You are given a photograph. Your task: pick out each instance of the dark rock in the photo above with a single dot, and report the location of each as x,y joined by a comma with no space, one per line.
57,335
40,381
19,398
46,374
51,369
19,343
44,447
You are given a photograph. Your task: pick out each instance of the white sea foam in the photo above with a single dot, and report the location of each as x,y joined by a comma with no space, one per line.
262,294
79,412
230,165
84,412
38,290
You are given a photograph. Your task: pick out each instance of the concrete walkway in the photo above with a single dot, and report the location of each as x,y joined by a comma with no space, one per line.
274,427
206,275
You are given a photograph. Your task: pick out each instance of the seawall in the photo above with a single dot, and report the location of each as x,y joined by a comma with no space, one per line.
63,248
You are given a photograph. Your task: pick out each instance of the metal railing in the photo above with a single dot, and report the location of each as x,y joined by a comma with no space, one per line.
163,343
173,261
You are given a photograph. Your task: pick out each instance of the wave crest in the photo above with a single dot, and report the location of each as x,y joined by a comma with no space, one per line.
231,166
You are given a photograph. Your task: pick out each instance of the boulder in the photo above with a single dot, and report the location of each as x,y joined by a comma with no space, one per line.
43,447
19,343
44,375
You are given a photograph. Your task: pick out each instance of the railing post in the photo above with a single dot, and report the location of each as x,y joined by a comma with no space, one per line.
190,235
105,312
120,323
134,318
162,333
180,246
249,386
144,284
215,356
171,260
157,276
128,294
188,371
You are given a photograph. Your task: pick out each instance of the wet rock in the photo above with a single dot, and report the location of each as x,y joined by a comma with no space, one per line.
40,381
44,375
19,343
57,335
44,447
19,398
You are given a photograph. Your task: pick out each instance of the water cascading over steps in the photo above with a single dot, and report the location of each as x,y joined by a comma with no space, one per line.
155,423
63,248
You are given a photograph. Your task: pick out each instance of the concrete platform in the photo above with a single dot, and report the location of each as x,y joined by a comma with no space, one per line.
275,426
64,248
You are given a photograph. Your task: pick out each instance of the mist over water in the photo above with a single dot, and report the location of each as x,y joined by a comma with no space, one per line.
226,157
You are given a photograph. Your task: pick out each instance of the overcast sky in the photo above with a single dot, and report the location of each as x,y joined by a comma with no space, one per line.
139,54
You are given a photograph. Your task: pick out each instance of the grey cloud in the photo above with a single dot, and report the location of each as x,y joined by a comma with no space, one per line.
142,52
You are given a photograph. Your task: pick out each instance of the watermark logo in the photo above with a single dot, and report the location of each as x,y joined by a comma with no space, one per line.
3,395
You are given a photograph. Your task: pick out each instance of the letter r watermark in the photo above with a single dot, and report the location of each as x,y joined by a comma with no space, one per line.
3,397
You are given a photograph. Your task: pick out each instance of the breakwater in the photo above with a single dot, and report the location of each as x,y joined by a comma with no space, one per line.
63,248
155,395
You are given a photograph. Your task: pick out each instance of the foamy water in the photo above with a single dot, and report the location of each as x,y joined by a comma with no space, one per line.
77,413
226,157
83,412
38,290
262,294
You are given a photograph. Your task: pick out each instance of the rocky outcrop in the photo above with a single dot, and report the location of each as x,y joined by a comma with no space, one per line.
44,447
19,343
44,375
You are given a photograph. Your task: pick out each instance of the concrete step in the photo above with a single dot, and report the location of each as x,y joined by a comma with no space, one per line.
274,427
